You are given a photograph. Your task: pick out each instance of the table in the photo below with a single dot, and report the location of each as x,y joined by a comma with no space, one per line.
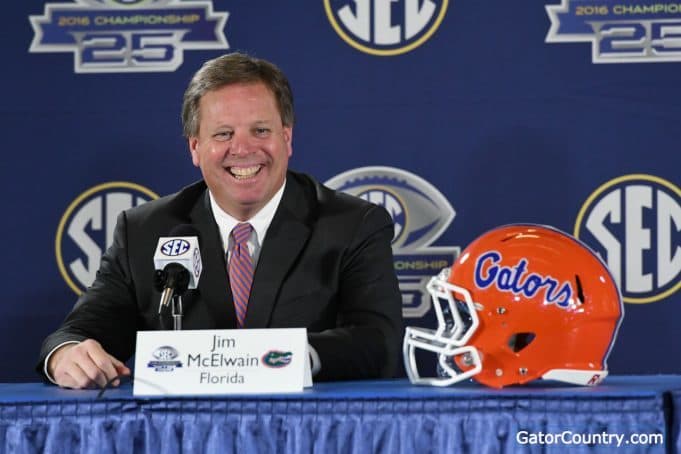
387,416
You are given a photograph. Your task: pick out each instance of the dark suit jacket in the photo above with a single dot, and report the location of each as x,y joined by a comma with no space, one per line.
326,264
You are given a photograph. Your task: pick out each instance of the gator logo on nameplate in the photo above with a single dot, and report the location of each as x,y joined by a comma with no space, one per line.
384,28
87,226
620,31
634,223
276,358
420,213
112,36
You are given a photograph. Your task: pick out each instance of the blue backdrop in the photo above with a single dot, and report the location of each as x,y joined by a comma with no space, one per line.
569,116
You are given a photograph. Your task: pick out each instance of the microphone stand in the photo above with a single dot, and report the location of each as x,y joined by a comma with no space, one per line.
172,282
177,312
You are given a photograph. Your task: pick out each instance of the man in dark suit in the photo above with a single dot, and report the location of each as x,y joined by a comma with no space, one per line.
320,259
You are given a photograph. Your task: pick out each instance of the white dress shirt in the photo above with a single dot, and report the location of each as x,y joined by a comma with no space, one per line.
260,223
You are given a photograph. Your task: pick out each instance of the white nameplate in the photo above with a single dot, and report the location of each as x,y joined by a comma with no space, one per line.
243,361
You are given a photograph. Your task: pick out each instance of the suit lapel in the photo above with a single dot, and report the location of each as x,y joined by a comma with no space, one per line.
286,237
213,283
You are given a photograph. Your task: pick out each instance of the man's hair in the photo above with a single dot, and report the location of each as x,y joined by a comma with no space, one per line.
234,68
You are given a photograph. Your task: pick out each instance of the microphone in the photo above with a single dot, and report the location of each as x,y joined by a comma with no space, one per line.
178,263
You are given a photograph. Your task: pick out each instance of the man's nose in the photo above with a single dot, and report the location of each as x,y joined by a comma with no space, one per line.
240,144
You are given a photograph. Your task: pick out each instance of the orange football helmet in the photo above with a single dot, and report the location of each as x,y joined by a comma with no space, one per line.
521,302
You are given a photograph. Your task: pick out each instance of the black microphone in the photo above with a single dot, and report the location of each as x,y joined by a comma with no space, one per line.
178,263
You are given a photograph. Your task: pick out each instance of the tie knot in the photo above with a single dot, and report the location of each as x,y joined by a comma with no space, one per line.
241,232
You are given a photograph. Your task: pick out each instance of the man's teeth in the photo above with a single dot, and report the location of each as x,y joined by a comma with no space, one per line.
244,172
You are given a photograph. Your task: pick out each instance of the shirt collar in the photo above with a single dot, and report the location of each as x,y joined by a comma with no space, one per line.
260,222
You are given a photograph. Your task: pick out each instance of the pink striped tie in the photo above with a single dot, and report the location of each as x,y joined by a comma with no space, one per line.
241,271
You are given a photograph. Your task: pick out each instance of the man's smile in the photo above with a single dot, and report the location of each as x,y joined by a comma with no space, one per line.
243,173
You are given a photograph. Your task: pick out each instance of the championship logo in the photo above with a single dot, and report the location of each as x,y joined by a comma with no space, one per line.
86,229
165,359
385,27
645,31
634,223
110,36
420,214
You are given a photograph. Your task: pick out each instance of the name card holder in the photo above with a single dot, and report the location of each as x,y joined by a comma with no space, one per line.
202,362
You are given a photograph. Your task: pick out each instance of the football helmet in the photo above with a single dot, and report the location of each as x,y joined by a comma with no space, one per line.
521,302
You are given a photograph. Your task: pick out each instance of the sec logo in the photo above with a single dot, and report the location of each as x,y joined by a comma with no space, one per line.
634,223
385,27
165,353
419,211
87,226
173,248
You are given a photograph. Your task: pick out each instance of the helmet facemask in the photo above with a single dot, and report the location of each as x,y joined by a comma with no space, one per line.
457,321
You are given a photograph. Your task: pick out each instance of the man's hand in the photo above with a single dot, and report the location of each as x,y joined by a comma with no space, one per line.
84,365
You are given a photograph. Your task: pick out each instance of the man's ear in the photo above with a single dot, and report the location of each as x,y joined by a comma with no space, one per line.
288,138
193,143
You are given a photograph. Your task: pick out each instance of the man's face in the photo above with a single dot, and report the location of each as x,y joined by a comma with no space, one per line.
242,148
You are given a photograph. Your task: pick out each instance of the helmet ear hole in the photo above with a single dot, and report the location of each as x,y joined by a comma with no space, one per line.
580,290
519,341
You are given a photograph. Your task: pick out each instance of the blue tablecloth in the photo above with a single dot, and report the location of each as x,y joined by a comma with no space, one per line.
372,416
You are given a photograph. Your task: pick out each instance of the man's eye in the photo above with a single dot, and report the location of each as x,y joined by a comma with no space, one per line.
223,135
261,131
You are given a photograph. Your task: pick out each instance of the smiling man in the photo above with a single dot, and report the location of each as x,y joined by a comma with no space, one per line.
279,249
242,147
